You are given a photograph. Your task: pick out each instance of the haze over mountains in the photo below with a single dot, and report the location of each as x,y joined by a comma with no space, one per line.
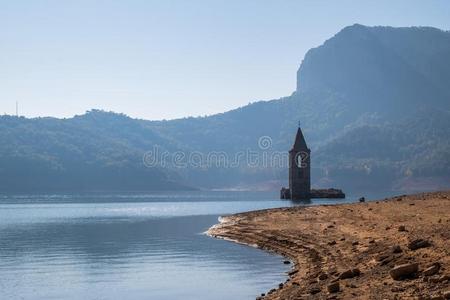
374,104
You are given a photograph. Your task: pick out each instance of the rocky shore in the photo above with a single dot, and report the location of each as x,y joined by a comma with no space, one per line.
397,248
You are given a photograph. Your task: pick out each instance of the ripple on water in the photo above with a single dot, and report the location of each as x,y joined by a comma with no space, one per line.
117,248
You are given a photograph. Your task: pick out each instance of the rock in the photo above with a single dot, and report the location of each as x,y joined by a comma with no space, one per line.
332,243
333,287
433,269
346,274
434,279
323,276
314,290
349,273
401,271
382,257
281,285
396,249
447,294
355,243
384,260
401,228
362,199
418,243
397,289
444,278
286,262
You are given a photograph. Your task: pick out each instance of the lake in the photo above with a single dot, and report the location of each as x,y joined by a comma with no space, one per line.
131,246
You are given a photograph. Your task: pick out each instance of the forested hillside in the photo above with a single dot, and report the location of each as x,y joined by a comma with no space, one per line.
374,104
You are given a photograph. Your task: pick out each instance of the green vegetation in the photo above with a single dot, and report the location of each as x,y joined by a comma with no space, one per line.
374,103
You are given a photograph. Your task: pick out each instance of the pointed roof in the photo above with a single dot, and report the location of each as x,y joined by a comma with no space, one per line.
300,143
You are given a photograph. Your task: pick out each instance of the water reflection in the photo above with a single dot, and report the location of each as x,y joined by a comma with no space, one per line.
131,247
114,251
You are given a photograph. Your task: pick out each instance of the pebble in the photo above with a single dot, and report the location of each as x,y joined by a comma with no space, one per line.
401,228
333,287
405,270
350,273
418,243
447,294
396,249
293,272
397,289
434,279
433,269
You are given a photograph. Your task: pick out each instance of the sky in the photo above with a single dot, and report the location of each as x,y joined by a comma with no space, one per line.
171,59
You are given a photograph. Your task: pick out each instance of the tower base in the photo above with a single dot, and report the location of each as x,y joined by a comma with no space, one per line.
285,193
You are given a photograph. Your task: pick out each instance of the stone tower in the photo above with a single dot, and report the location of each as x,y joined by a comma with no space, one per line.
300,168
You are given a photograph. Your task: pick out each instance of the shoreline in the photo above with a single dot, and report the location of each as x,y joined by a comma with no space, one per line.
348,251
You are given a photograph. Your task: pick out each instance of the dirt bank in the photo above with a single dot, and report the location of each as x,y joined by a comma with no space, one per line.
354,248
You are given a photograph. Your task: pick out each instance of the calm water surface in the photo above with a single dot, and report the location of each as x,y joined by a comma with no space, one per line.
131,246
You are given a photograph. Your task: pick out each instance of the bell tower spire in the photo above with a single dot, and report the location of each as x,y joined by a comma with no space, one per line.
300,167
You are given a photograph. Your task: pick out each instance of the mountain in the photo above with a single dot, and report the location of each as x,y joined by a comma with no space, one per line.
374,104
97,151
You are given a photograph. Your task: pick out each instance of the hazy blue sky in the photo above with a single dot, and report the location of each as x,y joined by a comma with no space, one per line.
169,59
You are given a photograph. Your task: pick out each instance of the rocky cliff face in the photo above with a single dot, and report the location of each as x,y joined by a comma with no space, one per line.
374,104
381,69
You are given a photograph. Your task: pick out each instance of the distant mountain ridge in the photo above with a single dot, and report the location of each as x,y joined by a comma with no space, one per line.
374,103
381,66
